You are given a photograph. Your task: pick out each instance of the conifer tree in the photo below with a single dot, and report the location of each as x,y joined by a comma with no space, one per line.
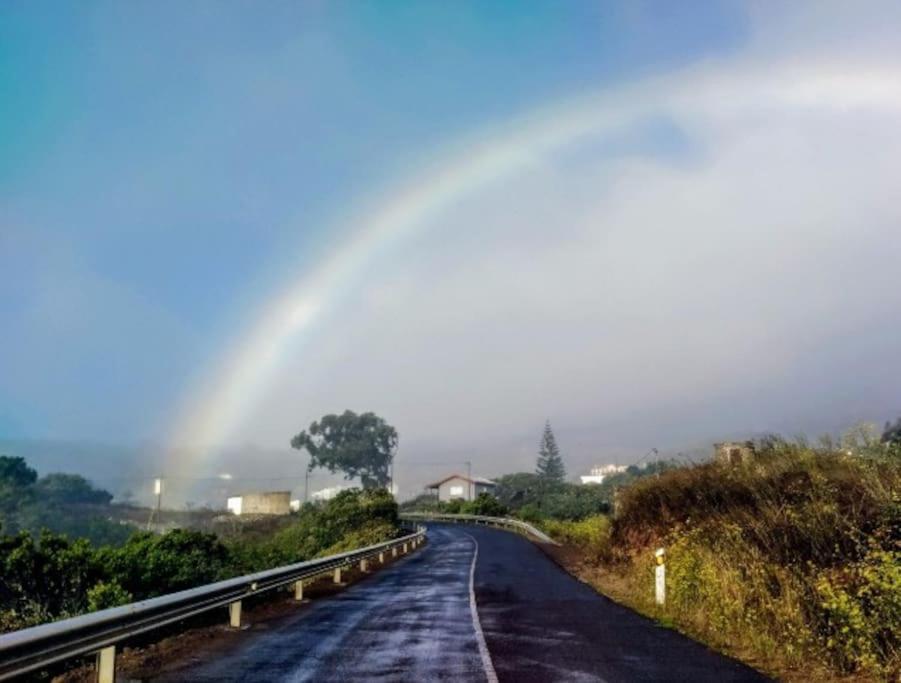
549,467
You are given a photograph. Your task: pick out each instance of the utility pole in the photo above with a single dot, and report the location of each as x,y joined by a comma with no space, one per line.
158,490
306,486
391,476
469,477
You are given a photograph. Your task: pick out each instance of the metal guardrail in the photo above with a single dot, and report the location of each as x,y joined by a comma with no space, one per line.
34,648
501,522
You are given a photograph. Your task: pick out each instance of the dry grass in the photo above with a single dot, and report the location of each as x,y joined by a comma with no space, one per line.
791,562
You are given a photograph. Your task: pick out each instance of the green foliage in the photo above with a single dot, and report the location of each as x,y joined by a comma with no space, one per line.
15,473
454,507
484,504
527,497
591,534
104,595
518,489
149,565
45,578
549,467
358,445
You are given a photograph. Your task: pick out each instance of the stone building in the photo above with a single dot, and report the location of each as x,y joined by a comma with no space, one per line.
733,453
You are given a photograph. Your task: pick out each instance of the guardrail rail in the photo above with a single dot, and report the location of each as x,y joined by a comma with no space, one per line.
35,648
500,522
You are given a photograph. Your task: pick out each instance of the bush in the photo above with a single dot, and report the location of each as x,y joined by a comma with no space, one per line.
105,595
591,534
484,504
861,612
149,565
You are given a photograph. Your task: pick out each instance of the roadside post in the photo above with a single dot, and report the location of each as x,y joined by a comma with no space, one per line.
660,569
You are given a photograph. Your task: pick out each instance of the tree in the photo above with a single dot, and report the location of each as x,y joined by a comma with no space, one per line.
892,433
15,473
550,467
70,488
16,489
518,489
358,445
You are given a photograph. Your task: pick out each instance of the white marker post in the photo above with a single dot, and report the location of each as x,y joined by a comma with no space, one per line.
660,584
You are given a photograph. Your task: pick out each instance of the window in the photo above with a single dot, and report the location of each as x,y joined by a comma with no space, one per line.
456,490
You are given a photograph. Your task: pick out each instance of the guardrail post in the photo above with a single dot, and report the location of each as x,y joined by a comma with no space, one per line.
106,665
298,590
405,548
338,576
234,614
394,551
364,565
660,582
381,557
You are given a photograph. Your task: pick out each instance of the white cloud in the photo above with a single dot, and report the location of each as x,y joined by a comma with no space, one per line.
636,299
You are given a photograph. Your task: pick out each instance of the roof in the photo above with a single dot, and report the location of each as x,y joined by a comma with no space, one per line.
471,480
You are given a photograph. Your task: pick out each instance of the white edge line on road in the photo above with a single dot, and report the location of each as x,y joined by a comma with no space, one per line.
487,664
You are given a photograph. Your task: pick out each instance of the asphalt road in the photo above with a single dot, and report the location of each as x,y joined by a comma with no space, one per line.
474,604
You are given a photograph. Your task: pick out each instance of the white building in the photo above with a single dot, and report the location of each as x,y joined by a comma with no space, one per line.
458,486
328,493
598,474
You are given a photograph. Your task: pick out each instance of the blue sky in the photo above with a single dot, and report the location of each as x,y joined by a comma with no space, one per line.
167,167
183,158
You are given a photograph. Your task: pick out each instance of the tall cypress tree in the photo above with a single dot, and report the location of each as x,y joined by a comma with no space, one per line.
549,467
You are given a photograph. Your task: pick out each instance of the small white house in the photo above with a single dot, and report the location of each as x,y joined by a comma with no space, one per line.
456,486
598,474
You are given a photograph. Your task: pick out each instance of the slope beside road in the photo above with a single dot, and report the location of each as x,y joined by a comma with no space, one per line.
474,604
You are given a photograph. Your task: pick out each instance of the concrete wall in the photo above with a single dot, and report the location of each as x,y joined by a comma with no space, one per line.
268,503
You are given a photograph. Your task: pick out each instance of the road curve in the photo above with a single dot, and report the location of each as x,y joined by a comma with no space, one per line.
474,604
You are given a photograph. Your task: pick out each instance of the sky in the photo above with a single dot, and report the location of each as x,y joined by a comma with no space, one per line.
655,224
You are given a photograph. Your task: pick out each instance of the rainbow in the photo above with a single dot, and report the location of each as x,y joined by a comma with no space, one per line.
216,406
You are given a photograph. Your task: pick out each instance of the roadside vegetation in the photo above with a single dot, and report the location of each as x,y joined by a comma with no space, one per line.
791,561
48,576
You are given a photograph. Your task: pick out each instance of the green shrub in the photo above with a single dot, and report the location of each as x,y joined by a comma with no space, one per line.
591,534
150,565
107,594
861,612
484,504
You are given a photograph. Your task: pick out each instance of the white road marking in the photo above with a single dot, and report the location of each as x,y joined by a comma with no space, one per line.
487,664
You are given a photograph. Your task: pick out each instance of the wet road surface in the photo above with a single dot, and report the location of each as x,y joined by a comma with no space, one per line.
415,621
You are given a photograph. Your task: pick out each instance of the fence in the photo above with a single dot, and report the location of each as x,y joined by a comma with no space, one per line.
35,648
